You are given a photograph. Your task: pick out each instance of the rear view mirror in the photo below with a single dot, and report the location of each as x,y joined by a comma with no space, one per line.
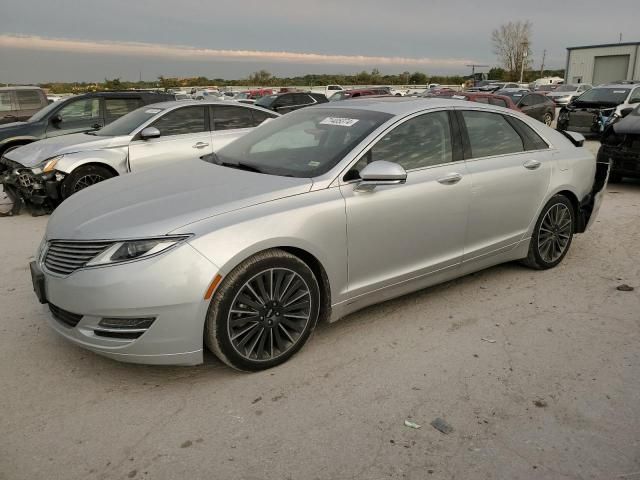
381,173
149,132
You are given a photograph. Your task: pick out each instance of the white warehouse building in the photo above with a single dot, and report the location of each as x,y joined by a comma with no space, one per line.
597,64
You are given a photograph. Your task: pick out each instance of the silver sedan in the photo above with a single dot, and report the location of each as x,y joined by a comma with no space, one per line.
312,216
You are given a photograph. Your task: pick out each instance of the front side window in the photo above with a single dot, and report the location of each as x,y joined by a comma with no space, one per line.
128,123
5,102
81,110
230,118
305,143
420,142
490,134
28,99
635,96
182,121
117,107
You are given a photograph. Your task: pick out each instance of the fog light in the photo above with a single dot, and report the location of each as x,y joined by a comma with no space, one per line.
127,323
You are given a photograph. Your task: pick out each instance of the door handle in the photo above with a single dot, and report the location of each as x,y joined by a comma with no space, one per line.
200,145
531,164
450,179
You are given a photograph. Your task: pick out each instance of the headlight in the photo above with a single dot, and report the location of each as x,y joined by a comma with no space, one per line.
48,165
134,249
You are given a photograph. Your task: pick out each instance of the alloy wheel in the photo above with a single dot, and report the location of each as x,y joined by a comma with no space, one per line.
548,120
269,314
86,181
555,232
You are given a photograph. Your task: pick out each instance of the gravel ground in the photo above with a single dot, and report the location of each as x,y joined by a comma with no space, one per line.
538,373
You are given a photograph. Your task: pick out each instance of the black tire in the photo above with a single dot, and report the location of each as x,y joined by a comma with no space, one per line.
547,119
83,177
219,334
615,178
538,257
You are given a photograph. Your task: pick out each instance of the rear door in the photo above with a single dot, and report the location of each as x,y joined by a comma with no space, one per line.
76,115
229,123
184,135
510,169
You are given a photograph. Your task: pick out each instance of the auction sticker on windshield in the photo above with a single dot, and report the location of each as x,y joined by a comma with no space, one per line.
340,122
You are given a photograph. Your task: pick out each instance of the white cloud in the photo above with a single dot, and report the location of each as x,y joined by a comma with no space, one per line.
36,43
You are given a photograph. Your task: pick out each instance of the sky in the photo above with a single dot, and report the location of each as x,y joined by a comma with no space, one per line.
80,40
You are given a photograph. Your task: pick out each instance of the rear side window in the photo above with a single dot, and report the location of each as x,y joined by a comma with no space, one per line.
230,118
490,134
117,107
29,99
182,121
302,99
532,141
260,116
5,102
498,102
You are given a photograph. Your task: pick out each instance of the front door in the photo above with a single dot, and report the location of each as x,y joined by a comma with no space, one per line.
399,232
510,169
184,135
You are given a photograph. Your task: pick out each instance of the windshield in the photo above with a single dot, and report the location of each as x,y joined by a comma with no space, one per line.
567,88
305,143
40,114
126,124
608,95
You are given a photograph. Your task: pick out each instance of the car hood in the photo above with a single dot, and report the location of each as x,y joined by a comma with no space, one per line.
34,153
157,202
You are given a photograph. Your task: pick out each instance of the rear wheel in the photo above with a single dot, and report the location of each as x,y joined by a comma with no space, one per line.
547,119
263,312
84,177
552,234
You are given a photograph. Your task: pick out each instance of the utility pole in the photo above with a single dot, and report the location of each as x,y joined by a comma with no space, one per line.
525,52
544,54
620,41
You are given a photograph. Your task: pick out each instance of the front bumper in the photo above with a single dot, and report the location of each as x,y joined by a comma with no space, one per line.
35,188
169,288
624,158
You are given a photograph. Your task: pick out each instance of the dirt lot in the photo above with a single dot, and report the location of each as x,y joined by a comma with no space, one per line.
538,373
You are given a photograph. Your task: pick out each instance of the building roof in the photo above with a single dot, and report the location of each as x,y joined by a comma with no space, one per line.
604,45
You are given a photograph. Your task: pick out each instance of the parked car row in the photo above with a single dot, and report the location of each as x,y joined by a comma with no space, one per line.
45,172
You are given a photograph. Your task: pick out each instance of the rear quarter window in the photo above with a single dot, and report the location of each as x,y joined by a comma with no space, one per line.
29,99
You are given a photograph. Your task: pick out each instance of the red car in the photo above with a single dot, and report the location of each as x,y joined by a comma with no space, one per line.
491,99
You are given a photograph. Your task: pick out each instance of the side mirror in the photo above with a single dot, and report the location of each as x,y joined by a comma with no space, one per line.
381,173
56,119
626,111
149,133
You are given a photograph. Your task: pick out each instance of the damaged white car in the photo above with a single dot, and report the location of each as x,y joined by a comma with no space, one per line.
46,172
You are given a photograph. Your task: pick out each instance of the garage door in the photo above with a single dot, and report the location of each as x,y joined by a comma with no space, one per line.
610,68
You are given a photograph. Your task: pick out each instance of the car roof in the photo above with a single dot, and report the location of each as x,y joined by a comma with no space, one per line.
396,105
618,85
186,103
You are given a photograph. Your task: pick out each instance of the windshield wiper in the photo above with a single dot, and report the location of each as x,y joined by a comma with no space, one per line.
241,166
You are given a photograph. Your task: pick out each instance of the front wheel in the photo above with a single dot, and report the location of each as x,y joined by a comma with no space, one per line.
82,178
552,234
263,312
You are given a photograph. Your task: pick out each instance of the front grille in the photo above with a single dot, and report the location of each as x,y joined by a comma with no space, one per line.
67,318
581,119
65,257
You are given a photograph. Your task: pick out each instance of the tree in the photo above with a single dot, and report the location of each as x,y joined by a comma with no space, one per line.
512,45
260,78
497,73
418,78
